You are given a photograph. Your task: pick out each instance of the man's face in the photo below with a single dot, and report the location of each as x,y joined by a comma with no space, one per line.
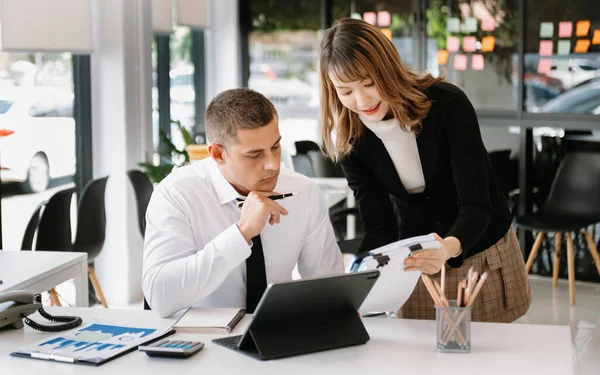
252,162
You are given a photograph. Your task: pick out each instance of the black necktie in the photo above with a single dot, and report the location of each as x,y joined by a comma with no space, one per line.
256,277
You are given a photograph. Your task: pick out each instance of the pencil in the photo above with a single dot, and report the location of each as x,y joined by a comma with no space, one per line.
273,197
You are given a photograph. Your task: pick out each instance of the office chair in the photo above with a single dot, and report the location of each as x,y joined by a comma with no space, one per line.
143,188
573,204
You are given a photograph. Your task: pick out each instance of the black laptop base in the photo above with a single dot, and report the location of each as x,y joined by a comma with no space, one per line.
308,334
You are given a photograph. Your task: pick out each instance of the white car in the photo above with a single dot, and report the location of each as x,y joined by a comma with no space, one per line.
42,146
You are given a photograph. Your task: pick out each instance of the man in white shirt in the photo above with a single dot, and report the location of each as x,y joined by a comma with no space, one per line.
202,249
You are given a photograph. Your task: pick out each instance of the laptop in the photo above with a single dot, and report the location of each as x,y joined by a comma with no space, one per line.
306,316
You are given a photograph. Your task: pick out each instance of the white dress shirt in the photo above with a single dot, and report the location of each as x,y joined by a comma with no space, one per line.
194,253
403,150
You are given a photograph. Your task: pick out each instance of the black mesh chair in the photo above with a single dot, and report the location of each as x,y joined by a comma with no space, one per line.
91,228
573,204
143,188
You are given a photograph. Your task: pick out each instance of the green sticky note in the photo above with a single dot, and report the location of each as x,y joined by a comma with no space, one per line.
546,30
564,47
453,25
562,66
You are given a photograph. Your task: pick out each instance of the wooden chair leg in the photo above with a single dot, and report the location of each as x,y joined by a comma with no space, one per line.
97,288
557,246
593,249
571,268
54,297
534,250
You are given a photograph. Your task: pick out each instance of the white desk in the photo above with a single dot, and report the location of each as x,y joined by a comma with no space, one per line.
396,347
40,271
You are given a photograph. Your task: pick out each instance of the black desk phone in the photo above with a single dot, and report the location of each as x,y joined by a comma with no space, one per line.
17,305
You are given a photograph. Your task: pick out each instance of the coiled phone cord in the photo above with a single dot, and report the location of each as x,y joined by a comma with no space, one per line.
69,322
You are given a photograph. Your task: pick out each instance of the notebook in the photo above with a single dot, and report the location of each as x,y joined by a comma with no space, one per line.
209,320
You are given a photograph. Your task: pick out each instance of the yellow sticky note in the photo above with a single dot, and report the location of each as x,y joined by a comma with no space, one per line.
596,38
583,28
582,46
442,57
487,43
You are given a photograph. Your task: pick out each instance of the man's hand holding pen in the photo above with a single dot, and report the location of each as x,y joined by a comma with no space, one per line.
256,210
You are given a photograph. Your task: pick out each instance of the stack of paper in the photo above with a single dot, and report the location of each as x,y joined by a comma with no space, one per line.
394,286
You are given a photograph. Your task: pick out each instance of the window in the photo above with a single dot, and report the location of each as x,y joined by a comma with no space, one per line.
38,159
475,44
562,59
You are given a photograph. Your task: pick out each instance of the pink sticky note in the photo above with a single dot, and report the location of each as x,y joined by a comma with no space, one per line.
452,44
370,17
546,48
488,24
565,29
477,62
469,44
460,62
544,66
383,18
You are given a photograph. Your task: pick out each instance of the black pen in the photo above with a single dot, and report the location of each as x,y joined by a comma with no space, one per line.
273,197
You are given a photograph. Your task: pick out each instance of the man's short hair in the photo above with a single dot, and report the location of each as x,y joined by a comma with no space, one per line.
236,109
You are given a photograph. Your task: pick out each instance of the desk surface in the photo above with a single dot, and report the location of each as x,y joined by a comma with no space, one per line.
397,346
19,269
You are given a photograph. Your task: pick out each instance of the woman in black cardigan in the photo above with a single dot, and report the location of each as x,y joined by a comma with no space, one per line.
412,152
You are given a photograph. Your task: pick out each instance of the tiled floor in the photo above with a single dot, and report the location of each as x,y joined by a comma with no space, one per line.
550,306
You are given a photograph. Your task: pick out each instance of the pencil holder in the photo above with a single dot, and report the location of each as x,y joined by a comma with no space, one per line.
453,328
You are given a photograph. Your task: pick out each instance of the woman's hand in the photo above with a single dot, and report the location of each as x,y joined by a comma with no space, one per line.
432,261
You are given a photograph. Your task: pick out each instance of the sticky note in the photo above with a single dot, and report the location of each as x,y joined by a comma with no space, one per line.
442,57
452,44
470,24
453,25
546,30
356,16
583,28
387,32
487,43
565,29
562,65
546,47
460,62
488,24
582,46
370,17
383,18
563,47
469,44
596,38
544,66
477,62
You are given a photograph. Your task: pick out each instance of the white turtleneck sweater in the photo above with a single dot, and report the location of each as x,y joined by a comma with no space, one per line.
402,148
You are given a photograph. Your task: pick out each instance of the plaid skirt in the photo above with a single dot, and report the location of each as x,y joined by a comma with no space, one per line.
504,297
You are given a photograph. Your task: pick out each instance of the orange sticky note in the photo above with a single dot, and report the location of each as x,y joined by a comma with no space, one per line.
487,43
596,38
488,24
442,57
583,28
565,29
370,17
544,66
582,46
460,62
469,44
477,62
387,32
546,47
452,44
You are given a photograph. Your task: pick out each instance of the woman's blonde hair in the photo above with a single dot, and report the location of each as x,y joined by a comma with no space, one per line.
353,50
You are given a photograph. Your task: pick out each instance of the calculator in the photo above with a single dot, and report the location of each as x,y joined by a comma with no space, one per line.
171,348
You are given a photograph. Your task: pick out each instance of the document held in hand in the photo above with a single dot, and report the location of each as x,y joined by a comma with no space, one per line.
209,320
394,286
